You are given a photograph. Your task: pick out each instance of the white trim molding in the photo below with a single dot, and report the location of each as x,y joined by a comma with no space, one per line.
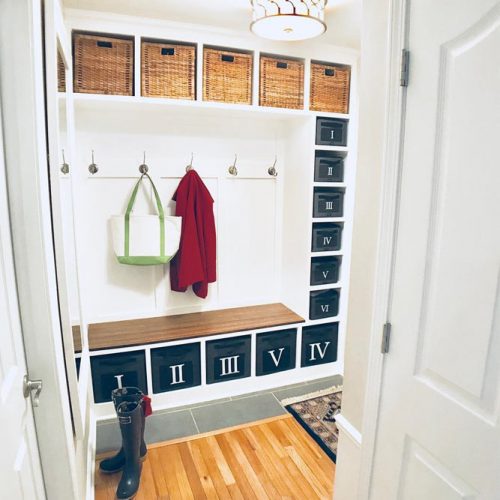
348,429
397,23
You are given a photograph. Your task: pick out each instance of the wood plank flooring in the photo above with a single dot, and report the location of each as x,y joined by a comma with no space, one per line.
270,459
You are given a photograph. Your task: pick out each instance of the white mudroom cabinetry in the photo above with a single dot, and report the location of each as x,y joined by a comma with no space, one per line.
277,312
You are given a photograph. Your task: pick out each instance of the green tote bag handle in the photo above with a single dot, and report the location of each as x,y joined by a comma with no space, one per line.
160,214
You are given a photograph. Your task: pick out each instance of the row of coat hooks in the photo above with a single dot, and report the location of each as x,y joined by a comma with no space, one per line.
143,167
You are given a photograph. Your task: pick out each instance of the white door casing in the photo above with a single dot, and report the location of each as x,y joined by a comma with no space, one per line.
439,430
20,469
23,110
55,42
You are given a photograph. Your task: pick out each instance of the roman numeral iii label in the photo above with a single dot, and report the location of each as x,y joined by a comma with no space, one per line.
229,365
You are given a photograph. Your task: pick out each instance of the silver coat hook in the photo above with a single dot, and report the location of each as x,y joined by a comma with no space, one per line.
143,168
232,169
190,166
272,170
93,169
64,166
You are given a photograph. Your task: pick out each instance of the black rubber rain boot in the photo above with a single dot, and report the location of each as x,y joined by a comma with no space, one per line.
130,416
116,462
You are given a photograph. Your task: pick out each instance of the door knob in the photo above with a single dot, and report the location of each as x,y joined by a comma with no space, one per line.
32,387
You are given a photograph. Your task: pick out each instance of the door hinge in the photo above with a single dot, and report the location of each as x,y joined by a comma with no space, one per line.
405,68
386,338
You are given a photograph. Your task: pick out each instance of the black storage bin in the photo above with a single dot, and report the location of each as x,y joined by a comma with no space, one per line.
331,132
228,359
319,344
106,371
175,367
323,304
329,166
325,270
328,202
326,237
276,351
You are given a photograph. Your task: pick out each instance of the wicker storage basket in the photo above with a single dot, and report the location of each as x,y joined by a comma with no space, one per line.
103,64
168,70
281,82
227,76
61,74
330,87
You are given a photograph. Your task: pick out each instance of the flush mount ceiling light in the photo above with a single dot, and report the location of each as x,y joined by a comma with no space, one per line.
288,19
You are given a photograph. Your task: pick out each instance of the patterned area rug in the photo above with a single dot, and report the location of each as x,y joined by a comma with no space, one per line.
316,413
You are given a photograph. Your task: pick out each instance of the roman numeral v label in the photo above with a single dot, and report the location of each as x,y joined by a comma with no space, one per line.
276,351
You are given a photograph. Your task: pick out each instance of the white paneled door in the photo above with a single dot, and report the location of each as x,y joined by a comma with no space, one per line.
439,426
20,470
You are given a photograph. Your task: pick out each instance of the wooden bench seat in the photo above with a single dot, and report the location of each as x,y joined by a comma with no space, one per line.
144,331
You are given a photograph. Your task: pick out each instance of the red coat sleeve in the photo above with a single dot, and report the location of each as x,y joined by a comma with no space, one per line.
195,262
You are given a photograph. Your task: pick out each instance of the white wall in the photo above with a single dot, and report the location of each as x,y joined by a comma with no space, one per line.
246,207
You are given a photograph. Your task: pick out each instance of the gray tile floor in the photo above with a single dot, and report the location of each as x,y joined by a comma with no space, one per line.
204,417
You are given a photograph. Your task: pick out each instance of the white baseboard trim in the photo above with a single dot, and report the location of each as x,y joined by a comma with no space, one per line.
345,426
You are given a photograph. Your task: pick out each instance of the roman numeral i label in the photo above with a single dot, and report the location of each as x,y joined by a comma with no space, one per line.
229,365
177,374
330,171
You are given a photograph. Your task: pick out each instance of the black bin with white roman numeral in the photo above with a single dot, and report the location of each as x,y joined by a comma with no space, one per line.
276,351
319,344
329,166
328,202
109,369
331,132
325,270
326,237
324,304
228,359
175,367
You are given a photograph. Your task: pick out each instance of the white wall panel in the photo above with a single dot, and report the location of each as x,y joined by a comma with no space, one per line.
247,236
246,207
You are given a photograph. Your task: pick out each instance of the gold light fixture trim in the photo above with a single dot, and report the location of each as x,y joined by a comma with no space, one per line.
288,19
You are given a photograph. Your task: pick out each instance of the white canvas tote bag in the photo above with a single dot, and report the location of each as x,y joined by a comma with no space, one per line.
145,240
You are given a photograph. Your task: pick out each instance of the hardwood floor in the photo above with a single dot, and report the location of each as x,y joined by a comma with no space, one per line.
269,459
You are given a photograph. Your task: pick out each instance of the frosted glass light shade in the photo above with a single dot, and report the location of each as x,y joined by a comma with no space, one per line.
288,20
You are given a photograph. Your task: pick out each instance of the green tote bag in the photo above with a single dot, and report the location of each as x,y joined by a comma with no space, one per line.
145,240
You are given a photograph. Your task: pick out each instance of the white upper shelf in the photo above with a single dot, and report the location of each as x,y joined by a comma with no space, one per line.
100,103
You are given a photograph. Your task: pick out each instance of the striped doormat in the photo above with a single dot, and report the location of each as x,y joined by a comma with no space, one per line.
316,413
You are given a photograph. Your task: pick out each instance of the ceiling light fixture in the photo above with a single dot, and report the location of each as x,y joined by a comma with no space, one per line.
288,20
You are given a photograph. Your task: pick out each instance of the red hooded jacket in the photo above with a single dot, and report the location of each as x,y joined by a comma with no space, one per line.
195,262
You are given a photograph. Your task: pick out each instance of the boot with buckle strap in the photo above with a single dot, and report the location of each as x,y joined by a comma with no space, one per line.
116,462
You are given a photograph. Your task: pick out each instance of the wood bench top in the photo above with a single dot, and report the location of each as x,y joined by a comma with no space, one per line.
135,332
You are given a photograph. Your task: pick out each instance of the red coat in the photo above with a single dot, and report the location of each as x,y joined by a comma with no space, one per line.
195,262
